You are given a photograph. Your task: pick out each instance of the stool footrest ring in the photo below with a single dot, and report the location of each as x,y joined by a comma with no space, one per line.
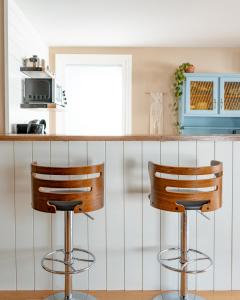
51,257
184,266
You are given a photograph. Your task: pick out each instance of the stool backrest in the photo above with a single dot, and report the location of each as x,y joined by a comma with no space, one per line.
166,192
89,190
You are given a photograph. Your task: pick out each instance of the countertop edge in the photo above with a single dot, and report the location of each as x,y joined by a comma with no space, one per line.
28,137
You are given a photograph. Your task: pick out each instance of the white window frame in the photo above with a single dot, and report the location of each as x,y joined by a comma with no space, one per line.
125,61
6,72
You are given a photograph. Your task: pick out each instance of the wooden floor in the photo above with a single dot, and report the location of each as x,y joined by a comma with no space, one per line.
117,295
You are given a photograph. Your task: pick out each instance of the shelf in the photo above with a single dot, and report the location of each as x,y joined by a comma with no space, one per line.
51,106
38,72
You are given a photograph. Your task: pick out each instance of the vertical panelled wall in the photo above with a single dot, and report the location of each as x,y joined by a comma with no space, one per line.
127,233
22,41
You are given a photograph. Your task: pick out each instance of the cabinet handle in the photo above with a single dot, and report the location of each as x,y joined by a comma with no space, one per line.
214,104
221,104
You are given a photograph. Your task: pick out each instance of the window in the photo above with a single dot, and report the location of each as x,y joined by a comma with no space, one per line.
98,91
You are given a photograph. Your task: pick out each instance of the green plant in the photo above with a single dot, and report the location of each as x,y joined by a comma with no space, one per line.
179,79
179,127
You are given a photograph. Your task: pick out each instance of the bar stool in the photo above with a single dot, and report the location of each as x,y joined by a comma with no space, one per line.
180,195
78,195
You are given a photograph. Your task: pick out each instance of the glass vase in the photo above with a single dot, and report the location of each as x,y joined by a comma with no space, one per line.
156,114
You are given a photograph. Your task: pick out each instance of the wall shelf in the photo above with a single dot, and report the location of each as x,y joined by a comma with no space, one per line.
51,106
37,72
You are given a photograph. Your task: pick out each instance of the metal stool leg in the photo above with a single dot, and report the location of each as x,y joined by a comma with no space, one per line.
68,293
183,293
184,258
68,253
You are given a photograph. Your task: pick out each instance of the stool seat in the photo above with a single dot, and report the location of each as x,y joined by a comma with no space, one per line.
192,205
65,205
189,205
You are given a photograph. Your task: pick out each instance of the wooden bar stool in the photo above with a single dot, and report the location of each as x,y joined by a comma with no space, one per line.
81,195
203,194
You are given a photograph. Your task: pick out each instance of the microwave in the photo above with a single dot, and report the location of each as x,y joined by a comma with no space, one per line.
42,90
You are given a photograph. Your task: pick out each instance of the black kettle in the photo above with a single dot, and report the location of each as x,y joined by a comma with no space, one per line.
36,127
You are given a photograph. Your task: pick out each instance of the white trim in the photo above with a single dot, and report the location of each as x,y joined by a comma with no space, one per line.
6,62
62,60
127,104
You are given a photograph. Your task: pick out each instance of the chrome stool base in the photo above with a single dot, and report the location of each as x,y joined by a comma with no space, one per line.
75,296
176,296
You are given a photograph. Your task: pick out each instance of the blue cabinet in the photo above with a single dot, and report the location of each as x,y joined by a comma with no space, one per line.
201,95
229,96
210,104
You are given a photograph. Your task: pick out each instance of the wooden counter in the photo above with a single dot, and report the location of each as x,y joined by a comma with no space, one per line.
39,137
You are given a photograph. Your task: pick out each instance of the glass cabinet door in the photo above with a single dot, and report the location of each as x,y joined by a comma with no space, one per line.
230,96
201,95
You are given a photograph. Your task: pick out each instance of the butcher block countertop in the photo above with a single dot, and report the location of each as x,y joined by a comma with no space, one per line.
39,137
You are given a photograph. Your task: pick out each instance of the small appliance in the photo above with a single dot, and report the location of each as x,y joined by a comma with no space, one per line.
33,127
43,90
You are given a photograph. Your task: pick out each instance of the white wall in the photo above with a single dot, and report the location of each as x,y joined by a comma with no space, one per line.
23,41
127,233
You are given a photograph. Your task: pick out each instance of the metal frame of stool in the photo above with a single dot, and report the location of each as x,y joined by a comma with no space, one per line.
71,195
171,191
68,262
184,261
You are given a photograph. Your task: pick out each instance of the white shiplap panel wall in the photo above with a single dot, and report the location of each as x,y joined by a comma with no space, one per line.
133,215
223,222
59,157
125,236
7,218
187,158
169,220
78,157
151,223
236,218
24,216
205,227
114,203
42,225
97,227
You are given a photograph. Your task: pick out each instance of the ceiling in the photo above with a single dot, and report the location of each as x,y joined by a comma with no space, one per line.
173,23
